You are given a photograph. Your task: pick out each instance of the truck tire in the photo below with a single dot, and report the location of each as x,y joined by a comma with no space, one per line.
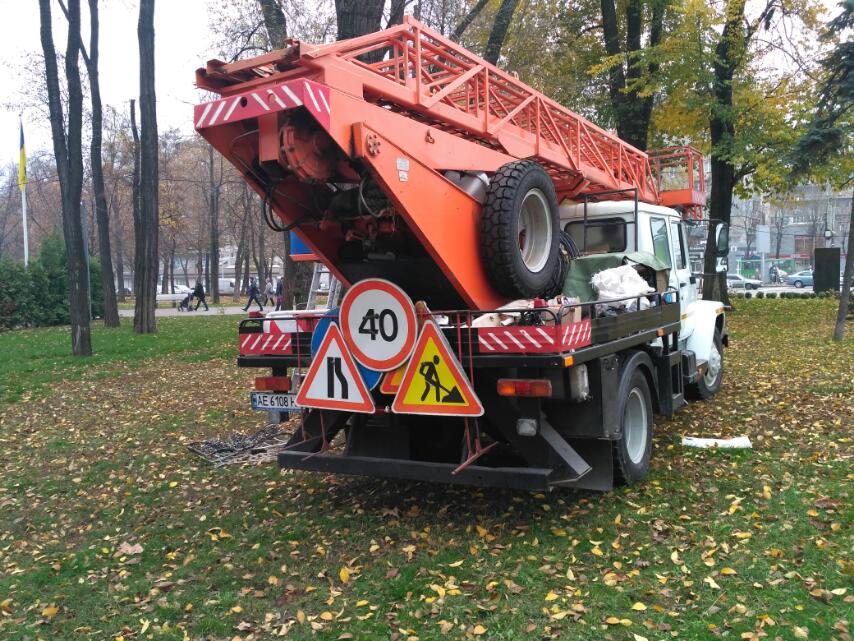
519,230
632,451
710,383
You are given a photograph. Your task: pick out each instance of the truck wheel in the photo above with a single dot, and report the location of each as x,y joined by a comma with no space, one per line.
709,384
519,230
633,449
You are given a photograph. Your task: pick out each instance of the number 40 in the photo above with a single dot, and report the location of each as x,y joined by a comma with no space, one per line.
384,324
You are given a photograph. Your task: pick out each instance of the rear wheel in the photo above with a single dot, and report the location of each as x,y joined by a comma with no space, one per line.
633,450
519,231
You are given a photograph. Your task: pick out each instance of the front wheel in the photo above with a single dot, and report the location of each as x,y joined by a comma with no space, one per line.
710,383
798,284
633,450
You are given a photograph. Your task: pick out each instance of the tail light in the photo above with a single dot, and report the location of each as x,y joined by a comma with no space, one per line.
272,383
529,387
255,314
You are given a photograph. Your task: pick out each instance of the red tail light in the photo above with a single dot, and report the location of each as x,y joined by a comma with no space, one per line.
272,383
530,387
255,314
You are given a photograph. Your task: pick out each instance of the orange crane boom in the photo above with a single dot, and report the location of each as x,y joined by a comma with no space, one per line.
408,105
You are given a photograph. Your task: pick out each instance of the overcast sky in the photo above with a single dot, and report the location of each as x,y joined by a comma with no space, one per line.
182,44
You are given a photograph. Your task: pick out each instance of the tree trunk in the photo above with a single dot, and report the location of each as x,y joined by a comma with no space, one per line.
207,272
120,267
632,111
137,221
468,19
722,131
275,22
358,17
499,30
108,279
213,215
847,275
147,234
68,151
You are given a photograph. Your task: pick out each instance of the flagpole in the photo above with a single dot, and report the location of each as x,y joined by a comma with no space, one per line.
24,216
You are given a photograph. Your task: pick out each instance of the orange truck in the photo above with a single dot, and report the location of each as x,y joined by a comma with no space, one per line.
454,201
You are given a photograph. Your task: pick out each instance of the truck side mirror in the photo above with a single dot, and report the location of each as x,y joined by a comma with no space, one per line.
722,240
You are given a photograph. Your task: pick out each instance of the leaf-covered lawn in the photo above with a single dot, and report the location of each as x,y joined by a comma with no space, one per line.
110,529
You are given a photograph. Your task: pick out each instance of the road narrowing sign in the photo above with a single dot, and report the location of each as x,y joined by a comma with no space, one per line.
333,381
434,381
378,323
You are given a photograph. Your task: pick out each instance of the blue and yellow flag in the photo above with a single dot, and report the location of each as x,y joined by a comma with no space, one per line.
22,167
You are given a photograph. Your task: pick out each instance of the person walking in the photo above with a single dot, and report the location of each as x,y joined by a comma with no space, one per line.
253,292
280,294
269,293
199,293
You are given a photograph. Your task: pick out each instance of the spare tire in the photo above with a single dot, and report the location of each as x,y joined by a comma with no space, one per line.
519,230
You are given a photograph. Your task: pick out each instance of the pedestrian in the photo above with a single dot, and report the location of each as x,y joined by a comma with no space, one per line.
269,293
280,294
253,295
199,293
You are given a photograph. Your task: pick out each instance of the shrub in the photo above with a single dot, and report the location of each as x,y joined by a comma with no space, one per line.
771,295
748,295
760,294
16,299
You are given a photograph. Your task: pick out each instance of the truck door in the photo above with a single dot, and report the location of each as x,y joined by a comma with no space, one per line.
686,282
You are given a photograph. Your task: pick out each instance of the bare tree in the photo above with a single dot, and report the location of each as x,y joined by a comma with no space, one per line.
847,276
146,227
69,164
214,186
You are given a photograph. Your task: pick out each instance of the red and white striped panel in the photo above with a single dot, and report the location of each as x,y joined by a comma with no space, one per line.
537,340
251,104
267,344
287,325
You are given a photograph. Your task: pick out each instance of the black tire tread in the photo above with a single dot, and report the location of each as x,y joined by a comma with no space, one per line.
496,245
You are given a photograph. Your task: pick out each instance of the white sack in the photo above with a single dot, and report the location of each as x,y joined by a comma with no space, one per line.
621,282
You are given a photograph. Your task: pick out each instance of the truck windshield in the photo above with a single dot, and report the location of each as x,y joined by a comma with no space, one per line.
603,235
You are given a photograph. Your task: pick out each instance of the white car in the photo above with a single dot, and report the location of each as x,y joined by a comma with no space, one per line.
737,280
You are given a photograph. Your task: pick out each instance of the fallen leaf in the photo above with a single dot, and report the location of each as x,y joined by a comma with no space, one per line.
640,607
50,611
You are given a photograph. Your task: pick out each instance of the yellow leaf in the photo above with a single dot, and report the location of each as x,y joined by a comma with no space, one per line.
237,609
173,483
326,616
273,580
801,633
597,551
446,626
551,596
618,519
558,531
479,629
612,620
675,557
626,622
711,583
638,637
120,638
438,589
839,591
728,571
6,605
455,564
361,603
145,623
344,575
640,607
300,616
557,616
482,531
50,611
766,492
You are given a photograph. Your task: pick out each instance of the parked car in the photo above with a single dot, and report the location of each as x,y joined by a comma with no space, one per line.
183,289
800,279
737,280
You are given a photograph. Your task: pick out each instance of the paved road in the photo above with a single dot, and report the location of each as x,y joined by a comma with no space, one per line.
164,310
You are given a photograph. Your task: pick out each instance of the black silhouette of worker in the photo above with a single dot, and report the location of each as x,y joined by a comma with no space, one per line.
428,370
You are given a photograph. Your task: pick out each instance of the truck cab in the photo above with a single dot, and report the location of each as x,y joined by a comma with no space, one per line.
626,226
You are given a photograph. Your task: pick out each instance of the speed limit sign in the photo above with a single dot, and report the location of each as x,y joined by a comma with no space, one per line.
378,322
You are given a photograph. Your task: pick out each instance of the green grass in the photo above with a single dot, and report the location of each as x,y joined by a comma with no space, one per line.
714,545
35,361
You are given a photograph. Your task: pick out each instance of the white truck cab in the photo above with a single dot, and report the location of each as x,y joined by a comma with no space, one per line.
616,226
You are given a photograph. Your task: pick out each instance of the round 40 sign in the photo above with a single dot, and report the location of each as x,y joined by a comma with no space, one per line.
378,323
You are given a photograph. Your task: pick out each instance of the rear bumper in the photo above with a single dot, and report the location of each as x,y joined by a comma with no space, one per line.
520,478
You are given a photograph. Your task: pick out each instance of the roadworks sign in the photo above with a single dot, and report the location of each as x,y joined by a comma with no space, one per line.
333,381
434,381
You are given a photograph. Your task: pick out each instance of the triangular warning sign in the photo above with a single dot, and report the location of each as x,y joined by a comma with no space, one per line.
434,382
333,381
391,380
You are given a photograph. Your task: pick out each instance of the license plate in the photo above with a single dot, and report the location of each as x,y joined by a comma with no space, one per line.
274,401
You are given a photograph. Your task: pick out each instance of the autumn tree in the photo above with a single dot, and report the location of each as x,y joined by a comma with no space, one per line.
67,147
146,224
